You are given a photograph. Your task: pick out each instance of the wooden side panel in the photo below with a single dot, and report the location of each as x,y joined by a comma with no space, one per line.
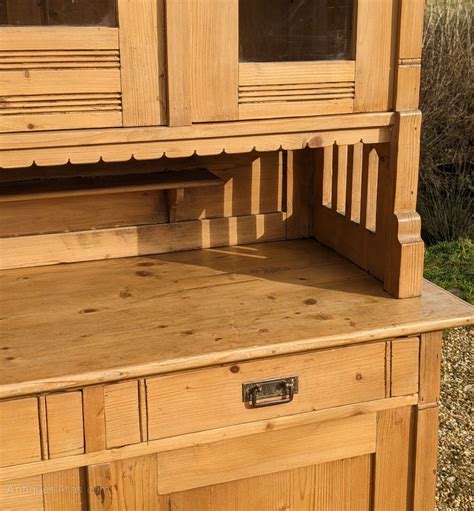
405,366
65,490
22,495
408,87
215,60
411,29
350,202
142,62
426,459
327,378
341,484
65,424
19,432
178,44
405,250
122,414
375,51
394,459
266,453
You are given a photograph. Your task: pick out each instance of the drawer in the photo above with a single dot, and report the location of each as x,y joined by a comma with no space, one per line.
211,398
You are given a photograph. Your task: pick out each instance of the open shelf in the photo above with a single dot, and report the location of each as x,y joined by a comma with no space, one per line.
92,322
100,185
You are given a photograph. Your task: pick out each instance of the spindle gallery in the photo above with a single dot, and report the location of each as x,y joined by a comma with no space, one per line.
212,293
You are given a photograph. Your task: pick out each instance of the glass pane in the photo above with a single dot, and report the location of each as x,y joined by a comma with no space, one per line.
58,12
295,30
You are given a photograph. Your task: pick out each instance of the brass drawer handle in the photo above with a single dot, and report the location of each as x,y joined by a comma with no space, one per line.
259,394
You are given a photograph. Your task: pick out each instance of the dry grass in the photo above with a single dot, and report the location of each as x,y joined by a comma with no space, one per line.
446,193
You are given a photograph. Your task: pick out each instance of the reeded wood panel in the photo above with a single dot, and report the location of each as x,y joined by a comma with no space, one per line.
295,89
59,78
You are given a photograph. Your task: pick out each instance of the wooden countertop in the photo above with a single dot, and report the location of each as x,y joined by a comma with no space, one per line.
84,323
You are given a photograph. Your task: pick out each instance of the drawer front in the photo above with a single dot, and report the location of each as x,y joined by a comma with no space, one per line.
212,398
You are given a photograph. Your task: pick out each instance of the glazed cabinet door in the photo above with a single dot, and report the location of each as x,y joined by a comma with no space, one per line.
68,64
247,59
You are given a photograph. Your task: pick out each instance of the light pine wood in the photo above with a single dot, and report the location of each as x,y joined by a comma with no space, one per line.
299,194
87,146
405,366
58,39
270,452
84,212
19,432
94,419
64,490
139,240
101,481
141,63
408,87
122,418
393,459
350,203
276,109
405,251
426,459
104,185
249,184
375,47
334,485
202,438
186,148
430,367
411,29
125,484
323,124
65,424
327,378
179,51
53,121
47,81
214,60
22,495
293,73
226,284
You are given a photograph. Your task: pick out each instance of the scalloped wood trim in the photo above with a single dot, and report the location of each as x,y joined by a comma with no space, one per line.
178,148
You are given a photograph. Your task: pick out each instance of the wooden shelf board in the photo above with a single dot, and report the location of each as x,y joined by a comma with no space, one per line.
100,185
85,323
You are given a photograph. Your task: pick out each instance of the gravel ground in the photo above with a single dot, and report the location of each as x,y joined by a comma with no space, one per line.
455,474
